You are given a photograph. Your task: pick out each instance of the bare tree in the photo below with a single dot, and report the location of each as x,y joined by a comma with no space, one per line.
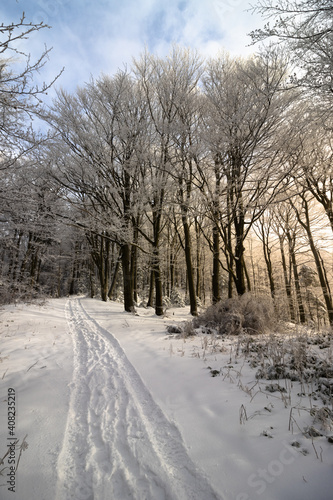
305,27
305,211
187,149
27,226
102,127
248,117
313,159
281,219
153,81
170,86
263,228
20,98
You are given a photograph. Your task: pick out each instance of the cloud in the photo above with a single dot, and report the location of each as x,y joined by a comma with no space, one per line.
93,36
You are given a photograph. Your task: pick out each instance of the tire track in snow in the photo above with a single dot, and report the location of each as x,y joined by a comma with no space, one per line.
118,443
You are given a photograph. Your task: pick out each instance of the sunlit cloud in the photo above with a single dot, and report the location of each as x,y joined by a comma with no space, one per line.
90,37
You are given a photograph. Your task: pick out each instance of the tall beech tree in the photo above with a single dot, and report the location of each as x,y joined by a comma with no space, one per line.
313,160
154,84
305,29
279,215
248,110
170,86
187,149
305,218
289,231
263,229
102,125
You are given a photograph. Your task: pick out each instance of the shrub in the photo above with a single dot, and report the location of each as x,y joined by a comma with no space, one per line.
184,330
175,300
247,313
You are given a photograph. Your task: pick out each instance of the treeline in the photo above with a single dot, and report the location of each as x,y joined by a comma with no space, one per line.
212,177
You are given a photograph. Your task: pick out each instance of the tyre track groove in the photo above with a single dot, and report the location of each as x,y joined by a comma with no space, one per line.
118,444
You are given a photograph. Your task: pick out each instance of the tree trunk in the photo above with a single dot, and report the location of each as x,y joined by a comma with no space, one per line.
150,302
114,277
239,225
158,284
172,271
198,289
287,281
100,253
325,287
184,198
134,259
247,276
26,257
216,294
127,277
301,310
104,267
189,268
134,267
216,266
72,283
14,261
269,267
239,267
92,278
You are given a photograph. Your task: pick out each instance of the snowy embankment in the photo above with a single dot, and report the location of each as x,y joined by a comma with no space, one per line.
108,406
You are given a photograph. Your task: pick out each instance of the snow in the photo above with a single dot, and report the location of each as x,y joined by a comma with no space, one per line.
109,406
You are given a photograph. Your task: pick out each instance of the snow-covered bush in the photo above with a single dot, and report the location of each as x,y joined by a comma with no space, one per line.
247,313
176,299
22,291
187,329
184,329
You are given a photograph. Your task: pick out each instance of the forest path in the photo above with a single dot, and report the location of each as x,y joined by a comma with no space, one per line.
118,444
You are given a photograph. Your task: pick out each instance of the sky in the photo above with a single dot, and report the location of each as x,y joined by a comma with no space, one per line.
90,37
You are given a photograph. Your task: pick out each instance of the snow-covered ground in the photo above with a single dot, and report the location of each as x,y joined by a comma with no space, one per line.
98,404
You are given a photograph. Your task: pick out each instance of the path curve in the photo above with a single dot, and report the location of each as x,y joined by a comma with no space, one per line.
118,444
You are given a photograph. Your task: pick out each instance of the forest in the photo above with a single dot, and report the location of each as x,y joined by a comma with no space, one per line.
177,180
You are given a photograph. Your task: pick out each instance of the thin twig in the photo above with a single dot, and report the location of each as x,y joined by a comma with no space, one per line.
32,366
